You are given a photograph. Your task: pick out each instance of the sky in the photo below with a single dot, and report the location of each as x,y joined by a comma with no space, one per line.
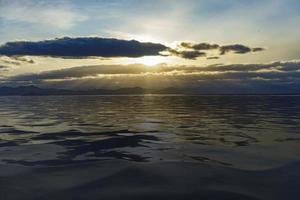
210,46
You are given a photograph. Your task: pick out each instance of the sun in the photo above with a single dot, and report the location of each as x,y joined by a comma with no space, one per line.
148,60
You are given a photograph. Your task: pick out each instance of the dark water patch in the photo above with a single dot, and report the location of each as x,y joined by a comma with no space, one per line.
77,133
81,150
42,124
82,147
204,159
55,162
241,143
67,159
15,131
287,139
7,144
175,180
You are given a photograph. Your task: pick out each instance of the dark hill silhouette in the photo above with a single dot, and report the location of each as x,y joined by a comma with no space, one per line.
37,91
33,90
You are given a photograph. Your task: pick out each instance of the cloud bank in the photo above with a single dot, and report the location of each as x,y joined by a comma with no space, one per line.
82,47
223,49
276,77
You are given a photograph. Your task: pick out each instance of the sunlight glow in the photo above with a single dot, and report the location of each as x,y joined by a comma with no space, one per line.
149,60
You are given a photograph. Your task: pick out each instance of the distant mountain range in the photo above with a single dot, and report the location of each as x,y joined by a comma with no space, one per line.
37,91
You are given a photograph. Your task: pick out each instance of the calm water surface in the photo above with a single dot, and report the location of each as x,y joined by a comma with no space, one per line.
235,132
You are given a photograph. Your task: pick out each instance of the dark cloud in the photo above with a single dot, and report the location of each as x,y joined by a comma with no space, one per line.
213,57
187,54
83,71
199,46
258,49
15,60
11,62
82,47
22,59
236,48
4,67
